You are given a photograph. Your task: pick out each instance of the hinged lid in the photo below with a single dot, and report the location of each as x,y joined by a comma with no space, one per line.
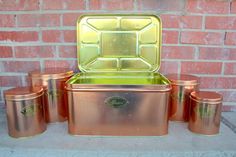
119,43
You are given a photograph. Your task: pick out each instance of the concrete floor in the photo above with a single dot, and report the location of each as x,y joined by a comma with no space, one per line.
178,143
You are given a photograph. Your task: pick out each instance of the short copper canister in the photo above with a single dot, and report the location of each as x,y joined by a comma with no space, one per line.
205,112
25,114
53,80
182,86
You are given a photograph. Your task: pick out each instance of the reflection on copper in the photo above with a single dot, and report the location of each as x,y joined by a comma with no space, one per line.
205,112
113,112
25,114
53,80
182,86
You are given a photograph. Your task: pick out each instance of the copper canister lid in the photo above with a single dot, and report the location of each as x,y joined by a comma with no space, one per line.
183,79
206,96
23,93
51,73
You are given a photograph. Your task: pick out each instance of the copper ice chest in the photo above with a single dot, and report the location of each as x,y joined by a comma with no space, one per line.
118,91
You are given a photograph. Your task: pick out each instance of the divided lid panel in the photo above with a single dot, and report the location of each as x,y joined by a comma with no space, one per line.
119,43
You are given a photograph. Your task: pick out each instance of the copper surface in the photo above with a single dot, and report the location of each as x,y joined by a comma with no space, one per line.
111,111
51,73
23,93
207,96
182,86
24,109
53,80
205,112
183,79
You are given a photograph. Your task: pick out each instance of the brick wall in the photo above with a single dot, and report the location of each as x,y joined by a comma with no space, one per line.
199,37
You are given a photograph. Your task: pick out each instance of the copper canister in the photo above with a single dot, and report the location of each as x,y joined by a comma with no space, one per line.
53,80
182,86
205,112
25,114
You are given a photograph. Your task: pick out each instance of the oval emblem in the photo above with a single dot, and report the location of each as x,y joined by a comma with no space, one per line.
29,110
116,102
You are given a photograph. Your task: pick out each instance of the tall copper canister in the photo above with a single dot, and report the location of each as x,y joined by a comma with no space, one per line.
119,90
53,80
25,114
182,86
205,112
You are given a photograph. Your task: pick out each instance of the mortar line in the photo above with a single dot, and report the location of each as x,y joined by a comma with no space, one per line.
164,59
62,27
196,57
61,21
179,67
135,5
203,23
37,43
121,11
23,80
198,60
86,4
41,64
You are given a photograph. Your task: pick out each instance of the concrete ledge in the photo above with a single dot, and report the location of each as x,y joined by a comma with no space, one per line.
178,143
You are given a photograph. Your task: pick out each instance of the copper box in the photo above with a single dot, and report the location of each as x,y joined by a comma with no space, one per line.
25,114
53,81
205,112
182,86
118,91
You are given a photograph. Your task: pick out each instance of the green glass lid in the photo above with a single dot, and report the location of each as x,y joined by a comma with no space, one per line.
119,43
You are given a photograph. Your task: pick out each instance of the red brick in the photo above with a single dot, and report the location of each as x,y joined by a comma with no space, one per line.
10,81
230,68
205,38
20,66
233,7
168,5
17,5
63,4
19,36
218,82
230,38
213,53
71,64
69,36
207,6
175,21
228,96
201,67
6,52
170,37
221,22
118,5
34,51
38,20
168,67
68,51
7,20
95,4
70,19
178,52
228,107
52,36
